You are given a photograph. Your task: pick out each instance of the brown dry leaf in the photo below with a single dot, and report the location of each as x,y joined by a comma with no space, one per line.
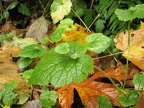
38,29
32,104
79,34
7,27
136,55
140,103
90,88
9,70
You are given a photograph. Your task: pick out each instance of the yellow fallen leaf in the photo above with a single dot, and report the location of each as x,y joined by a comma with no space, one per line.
142,24
7,106
78,35
136,55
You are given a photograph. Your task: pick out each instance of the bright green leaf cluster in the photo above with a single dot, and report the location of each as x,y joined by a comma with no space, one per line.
65,24
130,100
131,13
48,98
60,69
7,96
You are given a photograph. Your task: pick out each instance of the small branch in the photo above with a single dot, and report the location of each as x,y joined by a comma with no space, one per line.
94,20
92,2
81,20
107,56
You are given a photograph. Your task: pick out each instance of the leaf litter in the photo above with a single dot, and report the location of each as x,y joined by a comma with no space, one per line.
88,89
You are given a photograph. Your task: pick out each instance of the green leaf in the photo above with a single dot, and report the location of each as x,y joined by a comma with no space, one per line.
80,7
44,40
99,25
125,15
26,74
62,48
66,24
60,69
76,50
130,100
139,11
5,15
138,81
13,5
32,51
60,8
104,102
103,5
24,62
7,96
131,13
97,42
48,98
22,8
89,16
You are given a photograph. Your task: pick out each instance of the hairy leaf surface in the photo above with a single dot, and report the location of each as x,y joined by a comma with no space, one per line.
59,69
97,42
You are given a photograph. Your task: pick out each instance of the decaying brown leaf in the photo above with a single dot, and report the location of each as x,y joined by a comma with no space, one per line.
90,88
140,103
32,104
38,29
9,72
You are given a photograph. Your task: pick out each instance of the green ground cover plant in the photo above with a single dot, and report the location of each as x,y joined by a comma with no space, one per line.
64,66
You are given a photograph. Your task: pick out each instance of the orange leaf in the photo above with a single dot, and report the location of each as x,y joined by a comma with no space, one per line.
90,88
66,96
118,72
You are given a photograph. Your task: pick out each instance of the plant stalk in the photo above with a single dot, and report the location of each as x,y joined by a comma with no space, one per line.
119,90
127,60
81,20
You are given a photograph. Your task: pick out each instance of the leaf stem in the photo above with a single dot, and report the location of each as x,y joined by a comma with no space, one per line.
92,2
127,60
119,90
94,20
81,20
107,55
1,105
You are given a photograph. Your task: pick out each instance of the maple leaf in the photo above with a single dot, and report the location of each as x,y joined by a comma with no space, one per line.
79,34
89,89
